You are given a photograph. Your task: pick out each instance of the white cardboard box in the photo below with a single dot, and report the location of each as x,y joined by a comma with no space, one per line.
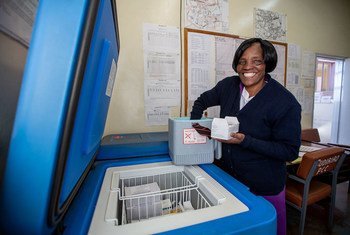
145,205
139,191
221,128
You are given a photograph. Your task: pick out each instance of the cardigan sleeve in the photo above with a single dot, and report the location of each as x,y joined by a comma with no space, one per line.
205,100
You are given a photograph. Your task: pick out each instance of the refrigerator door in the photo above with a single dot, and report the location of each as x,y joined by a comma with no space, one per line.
61,112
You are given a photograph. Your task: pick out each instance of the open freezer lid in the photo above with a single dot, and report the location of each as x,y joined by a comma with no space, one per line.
88,104
61,113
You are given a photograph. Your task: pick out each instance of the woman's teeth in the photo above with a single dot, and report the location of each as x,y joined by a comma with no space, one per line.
249,75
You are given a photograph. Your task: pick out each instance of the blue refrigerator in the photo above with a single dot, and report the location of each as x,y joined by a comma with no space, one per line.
58,163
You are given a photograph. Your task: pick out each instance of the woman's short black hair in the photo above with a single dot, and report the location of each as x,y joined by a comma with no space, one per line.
269,53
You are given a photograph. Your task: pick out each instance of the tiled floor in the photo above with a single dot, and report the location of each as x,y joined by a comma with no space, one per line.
317,216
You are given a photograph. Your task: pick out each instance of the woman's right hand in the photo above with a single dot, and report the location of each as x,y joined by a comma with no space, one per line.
237,138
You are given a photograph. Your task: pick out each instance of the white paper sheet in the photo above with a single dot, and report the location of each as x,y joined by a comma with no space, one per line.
278,73
308,64
207,15
162,93
201,64
225,50
162,75
160,65
161,38
270,25
157,115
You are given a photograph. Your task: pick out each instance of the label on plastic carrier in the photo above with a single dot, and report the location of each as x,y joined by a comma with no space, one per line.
191,136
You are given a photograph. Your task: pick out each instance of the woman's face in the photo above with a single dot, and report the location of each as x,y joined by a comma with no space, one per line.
251,67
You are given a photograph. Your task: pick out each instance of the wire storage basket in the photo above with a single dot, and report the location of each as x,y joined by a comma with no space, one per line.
145,197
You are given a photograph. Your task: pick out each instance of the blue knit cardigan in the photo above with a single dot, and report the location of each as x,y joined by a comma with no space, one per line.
271,124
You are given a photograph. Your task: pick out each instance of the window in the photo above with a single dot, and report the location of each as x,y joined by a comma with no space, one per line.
325,79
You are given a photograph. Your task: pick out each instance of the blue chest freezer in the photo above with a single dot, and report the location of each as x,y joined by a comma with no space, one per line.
62,177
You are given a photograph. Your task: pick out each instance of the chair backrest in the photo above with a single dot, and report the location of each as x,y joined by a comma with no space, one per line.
325,160
310,134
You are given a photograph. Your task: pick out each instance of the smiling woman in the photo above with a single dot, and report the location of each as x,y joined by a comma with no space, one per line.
269,117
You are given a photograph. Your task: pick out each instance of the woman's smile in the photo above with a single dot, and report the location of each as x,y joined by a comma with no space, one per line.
249,75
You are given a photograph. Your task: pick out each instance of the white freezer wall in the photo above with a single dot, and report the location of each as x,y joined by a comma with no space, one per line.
321,26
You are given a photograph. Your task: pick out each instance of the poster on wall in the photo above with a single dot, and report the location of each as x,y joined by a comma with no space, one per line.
294,65
201,61
270,25
225,48
308,63
162,74
279,72
17,18
211,15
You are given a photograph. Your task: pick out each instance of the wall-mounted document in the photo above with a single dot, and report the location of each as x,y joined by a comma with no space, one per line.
162,74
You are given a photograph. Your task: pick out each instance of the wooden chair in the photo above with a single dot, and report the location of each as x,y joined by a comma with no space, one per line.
302,189
310,135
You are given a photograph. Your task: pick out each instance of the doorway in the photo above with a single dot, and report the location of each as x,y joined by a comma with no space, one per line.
327,97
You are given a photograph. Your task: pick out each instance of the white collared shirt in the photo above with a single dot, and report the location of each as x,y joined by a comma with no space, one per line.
244,98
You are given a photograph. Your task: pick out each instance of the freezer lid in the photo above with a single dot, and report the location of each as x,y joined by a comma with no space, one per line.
61,113
86,115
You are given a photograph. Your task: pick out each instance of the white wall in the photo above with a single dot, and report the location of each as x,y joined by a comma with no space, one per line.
320,26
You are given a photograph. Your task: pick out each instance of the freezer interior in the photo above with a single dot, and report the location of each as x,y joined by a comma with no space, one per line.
156,197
